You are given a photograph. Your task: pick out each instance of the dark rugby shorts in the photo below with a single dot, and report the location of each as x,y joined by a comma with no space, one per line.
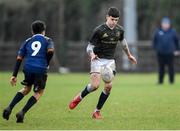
36,79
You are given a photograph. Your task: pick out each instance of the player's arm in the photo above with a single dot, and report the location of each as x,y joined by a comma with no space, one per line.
19,58
50,51
91,44
128,53
13,79
17,66
90,51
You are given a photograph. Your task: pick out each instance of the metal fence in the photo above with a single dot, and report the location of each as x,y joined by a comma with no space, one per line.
76,59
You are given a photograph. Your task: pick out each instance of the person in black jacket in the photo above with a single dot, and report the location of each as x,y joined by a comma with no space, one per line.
166,45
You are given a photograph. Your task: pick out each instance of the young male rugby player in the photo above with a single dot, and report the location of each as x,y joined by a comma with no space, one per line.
101,50
36,52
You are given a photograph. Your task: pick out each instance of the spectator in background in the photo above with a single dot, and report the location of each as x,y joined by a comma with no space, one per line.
166,45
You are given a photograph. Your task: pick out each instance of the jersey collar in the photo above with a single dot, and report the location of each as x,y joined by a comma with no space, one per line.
37,35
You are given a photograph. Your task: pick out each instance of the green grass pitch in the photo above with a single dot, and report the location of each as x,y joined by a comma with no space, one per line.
136,102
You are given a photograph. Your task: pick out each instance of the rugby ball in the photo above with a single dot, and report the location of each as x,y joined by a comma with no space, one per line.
107,74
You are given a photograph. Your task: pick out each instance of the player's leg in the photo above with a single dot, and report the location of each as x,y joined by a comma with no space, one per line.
105,93
102,99
94,84
19,96
39,85
32,100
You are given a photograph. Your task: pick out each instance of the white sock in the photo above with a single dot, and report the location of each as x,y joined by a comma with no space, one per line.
96,110
89,88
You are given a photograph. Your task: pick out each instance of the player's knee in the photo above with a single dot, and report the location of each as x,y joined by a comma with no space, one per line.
95,80
108,88
38,94
25,90
95,86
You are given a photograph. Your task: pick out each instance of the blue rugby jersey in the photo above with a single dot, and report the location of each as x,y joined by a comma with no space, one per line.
34,50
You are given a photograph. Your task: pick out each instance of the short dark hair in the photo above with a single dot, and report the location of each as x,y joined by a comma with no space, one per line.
38,27
114,12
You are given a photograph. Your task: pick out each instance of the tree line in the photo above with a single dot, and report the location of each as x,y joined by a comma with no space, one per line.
73,20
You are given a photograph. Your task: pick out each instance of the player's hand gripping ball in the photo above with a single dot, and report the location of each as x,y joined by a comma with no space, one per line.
107,74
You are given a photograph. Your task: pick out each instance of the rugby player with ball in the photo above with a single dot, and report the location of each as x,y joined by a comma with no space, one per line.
101,50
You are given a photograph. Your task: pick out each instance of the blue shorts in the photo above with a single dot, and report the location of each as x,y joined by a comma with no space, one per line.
36,79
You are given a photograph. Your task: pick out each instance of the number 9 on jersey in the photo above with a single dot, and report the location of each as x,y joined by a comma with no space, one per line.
36,46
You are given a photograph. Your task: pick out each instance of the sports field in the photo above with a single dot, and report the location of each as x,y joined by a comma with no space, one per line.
136,102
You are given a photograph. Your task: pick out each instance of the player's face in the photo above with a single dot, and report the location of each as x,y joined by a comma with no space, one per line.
112,21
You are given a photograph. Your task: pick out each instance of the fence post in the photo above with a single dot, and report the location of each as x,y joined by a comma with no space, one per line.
130,24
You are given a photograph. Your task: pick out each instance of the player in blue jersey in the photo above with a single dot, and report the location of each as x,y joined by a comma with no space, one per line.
36,52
